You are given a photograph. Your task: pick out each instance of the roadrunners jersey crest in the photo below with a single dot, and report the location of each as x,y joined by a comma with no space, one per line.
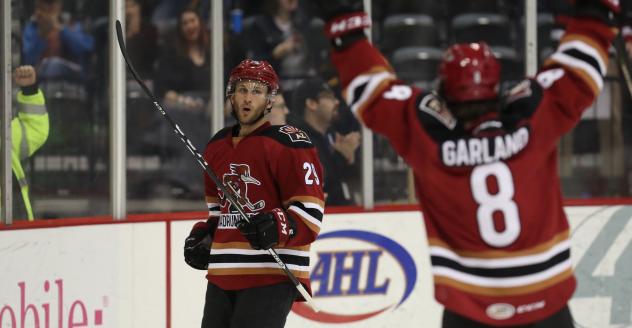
237,181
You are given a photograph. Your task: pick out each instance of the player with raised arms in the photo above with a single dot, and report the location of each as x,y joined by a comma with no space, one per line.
485,165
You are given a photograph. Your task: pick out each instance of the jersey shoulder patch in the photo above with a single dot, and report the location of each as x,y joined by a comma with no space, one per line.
289,136
435,117
431,104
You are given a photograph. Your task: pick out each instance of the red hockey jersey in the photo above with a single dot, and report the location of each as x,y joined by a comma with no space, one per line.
490,197
273,167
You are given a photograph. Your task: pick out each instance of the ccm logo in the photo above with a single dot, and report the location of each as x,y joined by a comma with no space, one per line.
350,23
282,221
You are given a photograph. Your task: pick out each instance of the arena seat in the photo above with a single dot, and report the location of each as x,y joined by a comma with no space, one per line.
416,64
495,29
403,30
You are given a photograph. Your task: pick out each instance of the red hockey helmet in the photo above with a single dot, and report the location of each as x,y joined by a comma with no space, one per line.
469,72
257,70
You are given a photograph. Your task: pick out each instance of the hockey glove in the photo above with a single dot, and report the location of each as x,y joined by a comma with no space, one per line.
345,21
606,11
197,246
268,229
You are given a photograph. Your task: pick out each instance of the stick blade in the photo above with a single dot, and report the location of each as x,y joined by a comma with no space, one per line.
119,36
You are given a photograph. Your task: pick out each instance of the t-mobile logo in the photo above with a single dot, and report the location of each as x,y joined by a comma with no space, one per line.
27,314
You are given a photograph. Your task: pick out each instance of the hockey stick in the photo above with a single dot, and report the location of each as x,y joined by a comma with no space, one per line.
198,157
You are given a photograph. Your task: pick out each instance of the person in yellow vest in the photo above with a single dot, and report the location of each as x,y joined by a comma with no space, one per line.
29,131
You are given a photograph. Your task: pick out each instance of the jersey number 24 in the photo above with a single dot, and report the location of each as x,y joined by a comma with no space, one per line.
310,174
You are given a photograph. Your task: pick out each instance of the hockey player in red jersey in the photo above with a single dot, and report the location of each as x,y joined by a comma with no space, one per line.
485,169
275,175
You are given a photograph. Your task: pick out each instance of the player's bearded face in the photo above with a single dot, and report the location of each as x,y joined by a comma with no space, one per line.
250,101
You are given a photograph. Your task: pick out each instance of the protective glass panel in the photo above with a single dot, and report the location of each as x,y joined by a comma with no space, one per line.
595,156
12,57
169,44
65,42
291,39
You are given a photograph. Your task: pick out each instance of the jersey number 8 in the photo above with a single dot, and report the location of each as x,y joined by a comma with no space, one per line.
489,203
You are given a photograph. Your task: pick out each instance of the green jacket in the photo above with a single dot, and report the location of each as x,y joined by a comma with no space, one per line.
29,131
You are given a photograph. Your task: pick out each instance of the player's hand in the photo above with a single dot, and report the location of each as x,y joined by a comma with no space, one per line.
345,20
197,246
24,76
268,229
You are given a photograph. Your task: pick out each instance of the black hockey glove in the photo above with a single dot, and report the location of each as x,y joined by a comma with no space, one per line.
197,246
268,229
606,11
345,20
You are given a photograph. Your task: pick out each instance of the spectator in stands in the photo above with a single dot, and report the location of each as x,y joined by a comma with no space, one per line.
277,37
142,47
184,79
141,39
29,131
166,11
58,49
279,111
319,106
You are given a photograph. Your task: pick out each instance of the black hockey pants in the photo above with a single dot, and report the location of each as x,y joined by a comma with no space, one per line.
261,307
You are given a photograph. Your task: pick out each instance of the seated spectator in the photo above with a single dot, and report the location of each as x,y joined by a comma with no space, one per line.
59,50
279,111
184,79
318,104
277,37
166,11
29,131
142,47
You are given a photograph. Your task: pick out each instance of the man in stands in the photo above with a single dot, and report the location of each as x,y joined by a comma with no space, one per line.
318,107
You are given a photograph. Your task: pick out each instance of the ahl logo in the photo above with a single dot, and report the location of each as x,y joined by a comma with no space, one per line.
361,273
